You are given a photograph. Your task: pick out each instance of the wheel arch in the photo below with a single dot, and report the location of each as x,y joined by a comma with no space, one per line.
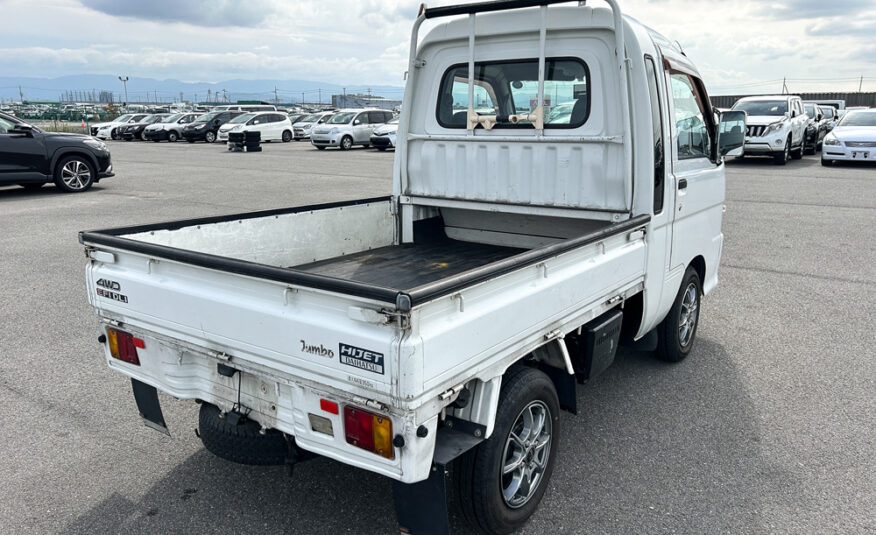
72,151
699,264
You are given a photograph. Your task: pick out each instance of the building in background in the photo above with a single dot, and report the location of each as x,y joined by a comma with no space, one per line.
350,100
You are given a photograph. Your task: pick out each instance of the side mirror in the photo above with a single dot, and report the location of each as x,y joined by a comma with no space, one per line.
731,133
357,121
25,130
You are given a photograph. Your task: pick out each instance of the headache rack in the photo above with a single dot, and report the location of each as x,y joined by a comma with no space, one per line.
536,117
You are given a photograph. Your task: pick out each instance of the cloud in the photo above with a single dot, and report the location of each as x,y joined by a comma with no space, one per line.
843,27
810,9
211,13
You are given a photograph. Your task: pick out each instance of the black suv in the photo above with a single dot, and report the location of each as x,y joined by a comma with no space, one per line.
206,126
31,157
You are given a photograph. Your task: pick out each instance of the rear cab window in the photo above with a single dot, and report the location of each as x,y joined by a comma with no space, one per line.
510,87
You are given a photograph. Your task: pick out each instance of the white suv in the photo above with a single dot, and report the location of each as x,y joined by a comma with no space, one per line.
349,127
775,126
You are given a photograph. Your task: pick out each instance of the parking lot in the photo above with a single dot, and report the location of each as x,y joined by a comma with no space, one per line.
769,426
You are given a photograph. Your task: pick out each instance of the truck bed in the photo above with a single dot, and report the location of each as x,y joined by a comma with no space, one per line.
410,265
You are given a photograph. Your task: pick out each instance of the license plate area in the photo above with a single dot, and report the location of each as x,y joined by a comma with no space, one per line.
860,155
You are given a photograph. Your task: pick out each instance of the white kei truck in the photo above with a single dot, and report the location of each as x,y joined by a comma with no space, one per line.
558,191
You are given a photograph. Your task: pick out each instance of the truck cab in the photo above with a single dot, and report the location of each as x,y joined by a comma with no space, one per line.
558,189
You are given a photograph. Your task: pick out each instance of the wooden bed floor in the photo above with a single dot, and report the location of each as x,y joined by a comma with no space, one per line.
407,266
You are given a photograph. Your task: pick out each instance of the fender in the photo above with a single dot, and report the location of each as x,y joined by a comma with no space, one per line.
66,151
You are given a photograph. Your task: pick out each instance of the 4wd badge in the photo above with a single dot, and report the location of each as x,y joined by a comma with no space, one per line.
110,290
361,358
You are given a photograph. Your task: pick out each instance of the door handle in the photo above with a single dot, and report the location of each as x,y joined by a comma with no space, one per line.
682,184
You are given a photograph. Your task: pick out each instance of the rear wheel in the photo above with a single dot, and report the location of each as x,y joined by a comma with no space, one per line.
502,481
679,328
287,136
74,174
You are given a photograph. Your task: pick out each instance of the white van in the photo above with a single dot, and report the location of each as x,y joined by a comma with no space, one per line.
244,107
349,127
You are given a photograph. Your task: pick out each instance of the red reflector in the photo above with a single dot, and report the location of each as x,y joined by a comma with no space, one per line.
139,343
357,428
328,406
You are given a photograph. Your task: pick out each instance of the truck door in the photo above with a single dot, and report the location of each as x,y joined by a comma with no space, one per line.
699,180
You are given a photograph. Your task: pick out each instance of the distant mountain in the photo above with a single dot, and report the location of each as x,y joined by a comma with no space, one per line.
81,87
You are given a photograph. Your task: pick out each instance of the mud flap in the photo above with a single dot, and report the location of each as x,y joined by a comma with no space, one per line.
146,397
421,508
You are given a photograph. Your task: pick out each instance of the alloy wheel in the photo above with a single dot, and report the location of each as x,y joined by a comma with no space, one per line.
76,174
687,320
526,454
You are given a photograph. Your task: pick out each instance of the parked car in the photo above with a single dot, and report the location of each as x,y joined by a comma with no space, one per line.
170,128
384,136
816,128
830,117
776,126
244,107
110,130
349,127
301,128
207,126
441,330
137,130
32,157
295,117
853,138
273,126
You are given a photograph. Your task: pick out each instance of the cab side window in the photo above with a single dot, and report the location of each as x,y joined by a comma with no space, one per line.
5,126
692,132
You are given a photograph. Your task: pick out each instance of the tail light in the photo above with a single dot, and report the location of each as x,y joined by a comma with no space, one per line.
369,431
123,346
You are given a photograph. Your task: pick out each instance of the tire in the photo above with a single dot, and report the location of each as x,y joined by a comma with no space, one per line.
143,136
810,150
209,137
287,136
114,134
74,174
240,443
677,332
783,157
346,143
480,483
190,140
172,136
826,163
156,140
798,152
319,147
32,186
381,149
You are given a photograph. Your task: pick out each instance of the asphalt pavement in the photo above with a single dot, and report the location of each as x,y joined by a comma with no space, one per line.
768,427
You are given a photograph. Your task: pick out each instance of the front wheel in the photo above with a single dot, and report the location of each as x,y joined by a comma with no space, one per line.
114,135
346,143
172,137
677,331
74,174
209,137
503,480
783,157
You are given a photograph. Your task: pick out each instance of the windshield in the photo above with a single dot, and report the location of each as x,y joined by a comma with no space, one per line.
342,118
859,118
207,117
173,118
153,119
124,118
828,112
762,107
310,118
810,109
242,118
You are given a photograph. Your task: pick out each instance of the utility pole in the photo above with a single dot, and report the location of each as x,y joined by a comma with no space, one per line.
861,83
320,95
784,86
302,98
20,95
224,96
276,98
345,98
125,82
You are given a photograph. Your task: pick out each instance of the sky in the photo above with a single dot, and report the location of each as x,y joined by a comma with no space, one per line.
741,46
